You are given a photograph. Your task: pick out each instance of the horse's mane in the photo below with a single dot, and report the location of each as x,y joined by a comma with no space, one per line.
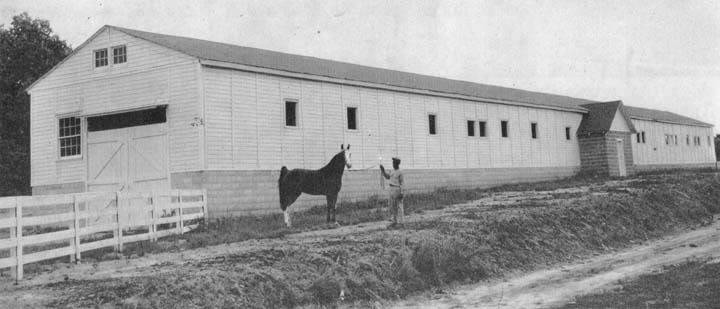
338,159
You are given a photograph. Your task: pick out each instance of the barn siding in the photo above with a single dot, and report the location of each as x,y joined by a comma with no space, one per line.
656,152
246,129
152,75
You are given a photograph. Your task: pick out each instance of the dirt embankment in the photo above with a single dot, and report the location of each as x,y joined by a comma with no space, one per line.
501,232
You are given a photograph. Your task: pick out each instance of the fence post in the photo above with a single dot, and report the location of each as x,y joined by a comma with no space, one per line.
180,223
154,217
19,240
205,205
76,210
119,232
13,234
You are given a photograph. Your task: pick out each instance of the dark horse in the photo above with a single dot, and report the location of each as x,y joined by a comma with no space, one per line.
325,181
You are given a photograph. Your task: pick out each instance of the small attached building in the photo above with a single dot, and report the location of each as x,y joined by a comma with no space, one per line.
133,110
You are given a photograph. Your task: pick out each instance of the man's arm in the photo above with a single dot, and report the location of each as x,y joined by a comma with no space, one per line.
401,179
383,173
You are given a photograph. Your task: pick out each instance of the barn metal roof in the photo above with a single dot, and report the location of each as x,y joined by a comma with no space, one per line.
663,116
261,58
208,50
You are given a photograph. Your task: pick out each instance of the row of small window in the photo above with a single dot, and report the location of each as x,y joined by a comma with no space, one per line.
671,139
352,123
119,56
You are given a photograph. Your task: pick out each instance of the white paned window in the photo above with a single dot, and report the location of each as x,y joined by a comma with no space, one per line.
119,54
101,57
69,137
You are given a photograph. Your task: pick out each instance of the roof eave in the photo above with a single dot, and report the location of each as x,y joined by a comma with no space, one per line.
256,69
702,124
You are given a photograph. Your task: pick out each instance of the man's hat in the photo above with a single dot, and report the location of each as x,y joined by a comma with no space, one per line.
396,159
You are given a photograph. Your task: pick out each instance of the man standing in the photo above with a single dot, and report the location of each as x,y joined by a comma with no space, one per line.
396,195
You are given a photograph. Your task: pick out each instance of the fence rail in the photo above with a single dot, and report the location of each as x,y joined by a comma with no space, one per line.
69,224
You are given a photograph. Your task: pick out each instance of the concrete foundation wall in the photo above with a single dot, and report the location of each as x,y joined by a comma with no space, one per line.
232,193
62,188
654,167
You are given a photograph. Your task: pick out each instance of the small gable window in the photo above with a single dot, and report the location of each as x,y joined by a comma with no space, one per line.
119,54
567,133
101,57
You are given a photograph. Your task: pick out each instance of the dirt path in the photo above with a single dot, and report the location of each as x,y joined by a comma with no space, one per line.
557,286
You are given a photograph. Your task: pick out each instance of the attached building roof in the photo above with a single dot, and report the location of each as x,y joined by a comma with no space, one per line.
228,53
662,116
600,118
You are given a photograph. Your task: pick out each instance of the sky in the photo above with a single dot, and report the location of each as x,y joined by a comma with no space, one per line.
661,54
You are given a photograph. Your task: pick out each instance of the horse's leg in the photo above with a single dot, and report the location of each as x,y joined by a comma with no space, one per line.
290,198
286,214
332,210
329,201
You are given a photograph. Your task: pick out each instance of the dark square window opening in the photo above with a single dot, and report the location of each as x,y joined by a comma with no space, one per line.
481,128
352,118
119,54
128,119
642,134
431,124
637,136
567,133
291,113
504,128
533,129
471,128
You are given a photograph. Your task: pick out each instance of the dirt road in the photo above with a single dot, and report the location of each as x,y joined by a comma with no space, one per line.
558,285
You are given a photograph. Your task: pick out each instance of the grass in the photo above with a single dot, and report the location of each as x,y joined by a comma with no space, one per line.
235,229
388,265
694,284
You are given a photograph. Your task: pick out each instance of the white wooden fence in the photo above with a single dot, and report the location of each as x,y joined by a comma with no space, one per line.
53,226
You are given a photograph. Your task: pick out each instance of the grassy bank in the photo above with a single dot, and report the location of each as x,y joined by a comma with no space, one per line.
694,284
470,245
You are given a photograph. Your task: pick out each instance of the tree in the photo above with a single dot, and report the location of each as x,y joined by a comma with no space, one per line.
28,49
717,147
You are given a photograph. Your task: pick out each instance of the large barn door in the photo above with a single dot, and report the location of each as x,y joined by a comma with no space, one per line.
147,148
107,160
128,159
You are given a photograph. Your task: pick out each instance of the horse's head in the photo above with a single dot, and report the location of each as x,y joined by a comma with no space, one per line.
348,155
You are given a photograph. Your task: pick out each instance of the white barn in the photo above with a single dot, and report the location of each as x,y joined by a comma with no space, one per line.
133,110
